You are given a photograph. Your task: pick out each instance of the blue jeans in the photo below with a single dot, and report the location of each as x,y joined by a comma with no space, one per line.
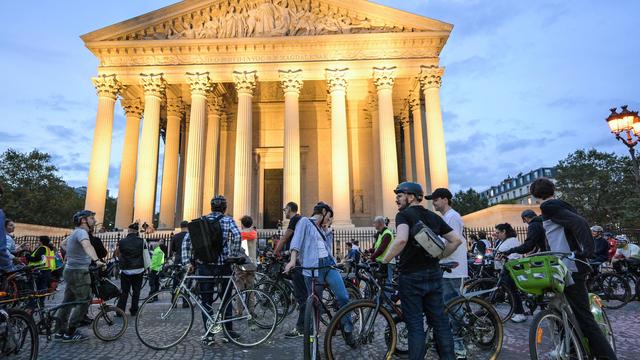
333,280
301,295
451,290
421,294
208,286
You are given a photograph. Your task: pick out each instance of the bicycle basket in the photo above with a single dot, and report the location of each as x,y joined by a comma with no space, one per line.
538,274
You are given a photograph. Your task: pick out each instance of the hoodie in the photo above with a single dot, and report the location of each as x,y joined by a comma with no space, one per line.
536,238
560,218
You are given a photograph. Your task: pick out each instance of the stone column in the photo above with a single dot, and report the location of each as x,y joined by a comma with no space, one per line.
408,153
214,107
168,195
291,85
181,169
223,161
200,84
245,83
124,210
418,143
383,79
337,86
431,79
153,85
372,104
107,87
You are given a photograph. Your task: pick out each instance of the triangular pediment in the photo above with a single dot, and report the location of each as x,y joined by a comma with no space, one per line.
226,19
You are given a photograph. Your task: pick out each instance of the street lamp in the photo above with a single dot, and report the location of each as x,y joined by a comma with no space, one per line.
627,122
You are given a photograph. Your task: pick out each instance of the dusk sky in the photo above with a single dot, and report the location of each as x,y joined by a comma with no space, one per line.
526,82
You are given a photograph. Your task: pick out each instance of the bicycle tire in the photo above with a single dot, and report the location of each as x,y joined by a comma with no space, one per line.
476,324
501,299
114,318
608,334
536,333
278,295
28,331
363,307
148,326
311,329
258,303
605,286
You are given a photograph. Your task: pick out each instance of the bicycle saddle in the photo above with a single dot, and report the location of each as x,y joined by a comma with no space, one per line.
235,260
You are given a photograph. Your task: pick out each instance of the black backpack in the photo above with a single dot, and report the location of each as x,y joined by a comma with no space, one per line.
206,239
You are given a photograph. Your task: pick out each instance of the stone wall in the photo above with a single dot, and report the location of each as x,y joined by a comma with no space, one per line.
31,230
503,213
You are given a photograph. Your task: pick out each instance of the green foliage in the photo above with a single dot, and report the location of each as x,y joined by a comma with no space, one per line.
466,202
34,193
600,186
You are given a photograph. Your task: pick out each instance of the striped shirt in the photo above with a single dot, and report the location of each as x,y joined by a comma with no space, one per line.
231,240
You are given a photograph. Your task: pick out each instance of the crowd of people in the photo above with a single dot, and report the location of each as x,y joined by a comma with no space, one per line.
423,288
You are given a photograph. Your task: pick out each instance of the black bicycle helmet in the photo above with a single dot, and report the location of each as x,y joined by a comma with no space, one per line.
77,217
219,203
317,209
409,187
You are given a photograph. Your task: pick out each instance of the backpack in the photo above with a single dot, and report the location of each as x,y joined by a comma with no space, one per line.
206,239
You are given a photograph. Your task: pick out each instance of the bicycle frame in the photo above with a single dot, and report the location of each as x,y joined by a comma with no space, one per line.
214,320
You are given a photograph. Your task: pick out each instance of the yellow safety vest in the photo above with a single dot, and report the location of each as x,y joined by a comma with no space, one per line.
48,260
379,242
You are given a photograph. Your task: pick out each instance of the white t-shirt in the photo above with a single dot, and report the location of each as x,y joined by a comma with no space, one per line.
631,250
453,219
504,246
322,249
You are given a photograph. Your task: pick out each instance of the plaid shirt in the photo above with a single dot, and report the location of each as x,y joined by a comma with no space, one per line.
231,240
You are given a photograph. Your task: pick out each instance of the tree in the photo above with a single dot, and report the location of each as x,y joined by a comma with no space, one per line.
34,193
600,186
466,202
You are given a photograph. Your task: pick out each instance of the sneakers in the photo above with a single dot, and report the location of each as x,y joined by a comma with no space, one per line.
58,336
208,339
294,333
460,349
233,335
518,318
76,337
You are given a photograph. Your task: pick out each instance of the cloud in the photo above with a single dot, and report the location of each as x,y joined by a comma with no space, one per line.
56,102
6,137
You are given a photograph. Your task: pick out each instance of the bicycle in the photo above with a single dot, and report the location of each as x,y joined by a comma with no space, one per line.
613,289
109,324
545,274
478,324
18,335
161,323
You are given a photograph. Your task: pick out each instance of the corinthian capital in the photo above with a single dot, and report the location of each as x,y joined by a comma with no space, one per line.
336,79
200,83
414,103
431,76
384,77
175,107
132,107
245,81
153,85
214,105
291,80
107,85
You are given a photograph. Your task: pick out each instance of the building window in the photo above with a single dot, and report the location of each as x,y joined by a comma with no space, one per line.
547,172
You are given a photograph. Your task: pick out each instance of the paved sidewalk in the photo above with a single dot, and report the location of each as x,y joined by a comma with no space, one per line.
626,324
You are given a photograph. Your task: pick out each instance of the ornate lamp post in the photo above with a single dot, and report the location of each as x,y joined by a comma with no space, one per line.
627,122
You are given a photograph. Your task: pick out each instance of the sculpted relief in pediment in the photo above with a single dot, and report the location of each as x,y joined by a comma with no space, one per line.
263,18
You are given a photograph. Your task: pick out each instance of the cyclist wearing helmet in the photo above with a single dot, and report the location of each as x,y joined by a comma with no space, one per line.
420,280
313,243
79,256
601,251
626,250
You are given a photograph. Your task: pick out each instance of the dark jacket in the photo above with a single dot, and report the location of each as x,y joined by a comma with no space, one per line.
576,229
536,239
98,246
176,246
601,252
131,248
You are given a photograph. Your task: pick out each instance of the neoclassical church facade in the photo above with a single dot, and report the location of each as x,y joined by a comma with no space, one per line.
265,102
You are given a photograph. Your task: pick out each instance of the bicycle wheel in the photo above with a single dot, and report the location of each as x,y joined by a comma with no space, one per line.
613,289
163,320
253,318
311,329
501,299
374,332
21,341
402,336
278,295
110,323
608,331
476,322
547,338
